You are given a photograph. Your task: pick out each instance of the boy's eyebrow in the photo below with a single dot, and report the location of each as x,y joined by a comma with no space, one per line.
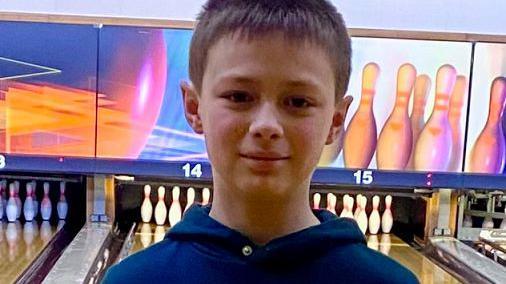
290,83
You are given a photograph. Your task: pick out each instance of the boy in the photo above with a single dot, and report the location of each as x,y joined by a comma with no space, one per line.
267,85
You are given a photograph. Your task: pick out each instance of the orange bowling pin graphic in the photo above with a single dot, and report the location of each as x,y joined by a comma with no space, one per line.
395,139
487,154
360,137
434,146
420,93
457,101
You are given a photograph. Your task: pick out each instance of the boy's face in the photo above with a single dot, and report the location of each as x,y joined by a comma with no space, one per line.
267,108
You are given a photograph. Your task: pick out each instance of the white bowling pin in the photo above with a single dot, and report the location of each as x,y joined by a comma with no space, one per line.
62,206
350,207
362,215
357,210
11,209
146,235
387,219
468,221
345,206
19,204
28,208
360,137
45,205
175,207
34,196
2,203
3,194
374,218
206,195
190,198
395,139
316,200
434,146
331,202
488,223
457,101
487,154
160,208
146,207
420,93
503,223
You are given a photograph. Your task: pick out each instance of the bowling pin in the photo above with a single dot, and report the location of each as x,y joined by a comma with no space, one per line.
362,216
360,137
487,154
468,221
206,195
146,235
357,210
331,202
434,146
160,208
3,196
488,223
28,208
420,93
2,204
62,206
45,205
34,196
190,198
19,204
374,218
503,223
395,139
387,218
457,101
344,212
316,200
146,207
11,209
349,208
175,207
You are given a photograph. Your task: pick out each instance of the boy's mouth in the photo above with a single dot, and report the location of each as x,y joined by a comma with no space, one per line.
264,156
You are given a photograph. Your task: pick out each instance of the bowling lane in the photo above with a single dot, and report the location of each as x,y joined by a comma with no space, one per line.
421,266
146,235
20,244
388,244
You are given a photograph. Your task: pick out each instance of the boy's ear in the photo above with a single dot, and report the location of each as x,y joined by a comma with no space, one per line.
337,127
191,102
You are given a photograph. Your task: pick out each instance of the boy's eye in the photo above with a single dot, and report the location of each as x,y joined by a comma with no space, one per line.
297,102
239,97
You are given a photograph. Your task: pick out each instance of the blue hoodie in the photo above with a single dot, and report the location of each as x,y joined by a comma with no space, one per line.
201,250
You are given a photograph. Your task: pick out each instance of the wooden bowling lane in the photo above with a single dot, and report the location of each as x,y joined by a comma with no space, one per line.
146,235
20,244
421,266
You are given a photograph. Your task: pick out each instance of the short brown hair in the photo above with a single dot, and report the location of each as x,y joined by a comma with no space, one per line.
315,20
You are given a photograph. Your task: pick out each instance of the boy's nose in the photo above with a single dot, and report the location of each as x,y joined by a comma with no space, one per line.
265,123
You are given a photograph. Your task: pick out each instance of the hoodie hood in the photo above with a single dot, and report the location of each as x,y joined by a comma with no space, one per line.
307,244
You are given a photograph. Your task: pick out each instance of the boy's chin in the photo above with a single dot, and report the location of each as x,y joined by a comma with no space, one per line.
264,187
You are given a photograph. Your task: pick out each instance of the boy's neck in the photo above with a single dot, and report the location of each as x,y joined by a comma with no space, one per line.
263,219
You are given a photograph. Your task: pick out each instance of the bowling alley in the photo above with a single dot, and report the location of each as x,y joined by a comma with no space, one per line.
130,153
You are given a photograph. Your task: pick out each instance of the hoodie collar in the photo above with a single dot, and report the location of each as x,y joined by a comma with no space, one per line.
197,226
